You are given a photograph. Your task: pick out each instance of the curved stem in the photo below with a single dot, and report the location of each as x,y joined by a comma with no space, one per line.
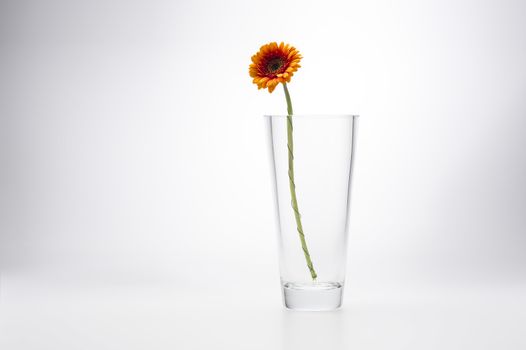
292,185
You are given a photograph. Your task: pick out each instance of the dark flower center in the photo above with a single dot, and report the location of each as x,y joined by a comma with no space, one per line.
275,64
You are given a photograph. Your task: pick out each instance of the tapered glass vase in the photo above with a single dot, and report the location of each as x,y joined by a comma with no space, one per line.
312,160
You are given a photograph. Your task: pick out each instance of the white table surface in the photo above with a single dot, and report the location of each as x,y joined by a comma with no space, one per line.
44,314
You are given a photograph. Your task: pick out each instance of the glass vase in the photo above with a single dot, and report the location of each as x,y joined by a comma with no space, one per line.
312,160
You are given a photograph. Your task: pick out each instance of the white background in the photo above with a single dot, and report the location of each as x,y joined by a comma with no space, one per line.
136,208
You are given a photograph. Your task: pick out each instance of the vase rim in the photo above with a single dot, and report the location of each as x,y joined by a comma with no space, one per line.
312,115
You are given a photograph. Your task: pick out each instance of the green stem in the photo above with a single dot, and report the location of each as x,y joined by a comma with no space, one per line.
292,185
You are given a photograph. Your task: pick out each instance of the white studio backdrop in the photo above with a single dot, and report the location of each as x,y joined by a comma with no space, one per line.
133,148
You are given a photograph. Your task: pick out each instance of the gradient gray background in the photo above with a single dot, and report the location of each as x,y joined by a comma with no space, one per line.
135,191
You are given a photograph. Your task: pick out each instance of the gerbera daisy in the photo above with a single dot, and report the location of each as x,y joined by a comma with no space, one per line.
274,64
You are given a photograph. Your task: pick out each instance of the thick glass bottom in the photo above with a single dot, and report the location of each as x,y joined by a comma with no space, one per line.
313,296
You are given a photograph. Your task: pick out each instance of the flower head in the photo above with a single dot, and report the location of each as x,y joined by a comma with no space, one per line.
274,64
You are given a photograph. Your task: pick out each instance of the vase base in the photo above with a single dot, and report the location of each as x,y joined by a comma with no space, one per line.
314,296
